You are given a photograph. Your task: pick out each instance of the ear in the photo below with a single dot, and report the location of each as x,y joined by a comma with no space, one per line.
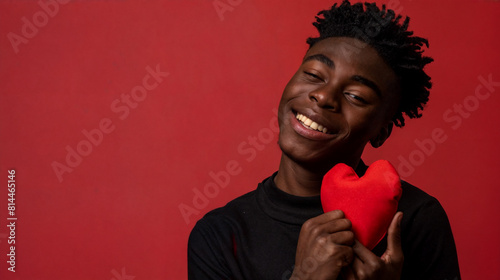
384,133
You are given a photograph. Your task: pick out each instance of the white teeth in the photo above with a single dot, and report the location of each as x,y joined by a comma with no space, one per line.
310,123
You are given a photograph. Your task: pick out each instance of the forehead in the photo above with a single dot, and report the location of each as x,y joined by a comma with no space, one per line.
356,57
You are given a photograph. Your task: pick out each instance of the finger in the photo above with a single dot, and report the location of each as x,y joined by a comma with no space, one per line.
363,253
333,227
339,255
394,252
329,216
330,226
347,255
342,237
324,218
338,225
357,266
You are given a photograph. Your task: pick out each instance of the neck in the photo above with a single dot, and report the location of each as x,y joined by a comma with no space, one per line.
300,180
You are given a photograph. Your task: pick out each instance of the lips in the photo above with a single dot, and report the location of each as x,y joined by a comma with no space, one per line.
308,127
307,122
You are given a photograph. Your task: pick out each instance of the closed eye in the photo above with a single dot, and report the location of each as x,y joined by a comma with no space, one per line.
314,76
356,98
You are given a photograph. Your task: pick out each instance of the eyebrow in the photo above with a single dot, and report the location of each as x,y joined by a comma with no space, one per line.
321,58
368,83
357,78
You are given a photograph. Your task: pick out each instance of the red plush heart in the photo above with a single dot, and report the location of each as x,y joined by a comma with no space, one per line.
369,202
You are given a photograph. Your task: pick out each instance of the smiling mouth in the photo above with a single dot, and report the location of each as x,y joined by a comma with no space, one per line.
308,123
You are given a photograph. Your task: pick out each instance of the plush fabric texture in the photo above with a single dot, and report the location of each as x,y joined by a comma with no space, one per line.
369,202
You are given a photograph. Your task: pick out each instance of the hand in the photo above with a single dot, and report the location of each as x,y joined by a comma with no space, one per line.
324,247
367,265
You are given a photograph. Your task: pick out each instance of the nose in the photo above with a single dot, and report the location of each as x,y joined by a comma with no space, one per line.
326,97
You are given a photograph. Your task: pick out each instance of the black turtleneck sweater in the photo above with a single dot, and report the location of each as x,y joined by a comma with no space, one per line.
255,236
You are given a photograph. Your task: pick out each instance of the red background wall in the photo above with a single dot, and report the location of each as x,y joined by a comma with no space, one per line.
116,214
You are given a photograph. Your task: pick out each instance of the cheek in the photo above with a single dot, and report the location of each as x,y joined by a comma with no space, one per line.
296,87
286,95
290,93
363,125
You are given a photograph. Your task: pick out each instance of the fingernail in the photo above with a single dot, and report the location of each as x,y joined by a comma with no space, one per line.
400,218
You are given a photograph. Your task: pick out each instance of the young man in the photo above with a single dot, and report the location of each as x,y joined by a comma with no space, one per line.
358,78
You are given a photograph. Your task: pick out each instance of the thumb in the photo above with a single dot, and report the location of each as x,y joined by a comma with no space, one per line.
394,252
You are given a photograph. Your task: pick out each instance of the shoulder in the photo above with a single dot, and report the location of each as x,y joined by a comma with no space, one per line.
417,204
211,242
427,237
232,210
220,221
412,195
217,225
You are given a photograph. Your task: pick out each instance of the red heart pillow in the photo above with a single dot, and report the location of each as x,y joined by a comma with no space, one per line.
369,202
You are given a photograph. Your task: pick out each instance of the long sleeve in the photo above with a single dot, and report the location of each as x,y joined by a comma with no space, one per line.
429,247
207,251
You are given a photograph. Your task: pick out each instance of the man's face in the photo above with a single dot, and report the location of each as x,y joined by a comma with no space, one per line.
348,96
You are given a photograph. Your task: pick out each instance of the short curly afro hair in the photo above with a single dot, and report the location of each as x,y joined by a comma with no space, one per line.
382,30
